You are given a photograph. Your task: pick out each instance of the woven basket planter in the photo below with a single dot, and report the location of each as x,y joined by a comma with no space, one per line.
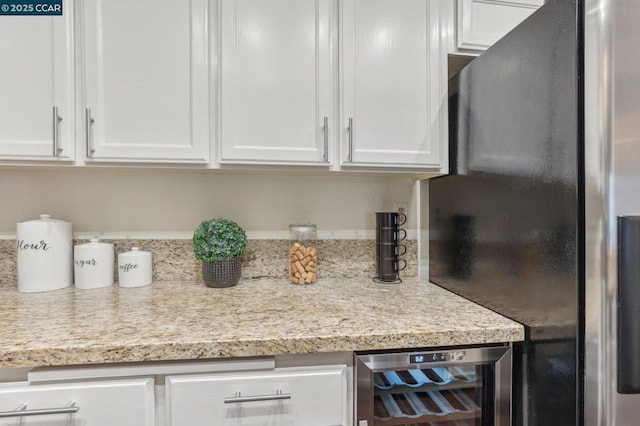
223,273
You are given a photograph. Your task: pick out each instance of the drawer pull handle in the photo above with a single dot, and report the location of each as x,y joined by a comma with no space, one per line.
274,397
22,411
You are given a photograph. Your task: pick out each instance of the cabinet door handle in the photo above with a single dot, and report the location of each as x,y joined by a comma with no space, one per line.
350,129
273,397
88,121
22,411
56,120
325,130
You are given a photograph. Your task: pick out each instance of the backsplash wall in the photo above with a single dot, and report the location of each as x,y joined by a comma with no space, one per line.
173,260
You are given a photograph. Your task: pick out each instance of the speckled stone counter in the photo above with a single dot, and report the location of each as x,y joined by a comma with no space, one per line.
187,320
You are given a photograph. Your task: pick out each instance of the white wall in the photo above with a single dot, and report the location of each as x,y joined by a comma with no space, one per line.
116,201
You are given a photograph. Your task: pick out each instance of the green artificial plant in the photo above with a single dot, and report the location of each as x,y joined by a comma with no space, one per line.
219,239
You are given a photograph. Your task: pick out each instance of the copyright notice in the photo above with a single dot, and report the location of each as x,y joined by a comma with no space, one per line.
31,7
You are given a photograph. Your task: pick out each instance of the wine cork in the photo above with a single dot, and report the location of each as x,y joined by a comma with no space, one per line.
302,264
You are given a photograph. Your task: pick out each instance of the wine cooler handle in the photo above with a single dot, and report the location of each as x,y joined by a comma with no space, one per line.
628,304
273,397
21,411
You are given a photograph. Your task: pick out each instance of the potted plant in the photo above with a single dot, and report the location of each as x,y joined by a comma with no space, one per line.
220,245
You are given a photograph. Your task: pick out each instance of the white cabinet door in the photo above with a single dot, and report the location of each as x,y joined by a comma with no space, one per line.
105,403
306,396
276,89
394,83
480,23
146,80
36,81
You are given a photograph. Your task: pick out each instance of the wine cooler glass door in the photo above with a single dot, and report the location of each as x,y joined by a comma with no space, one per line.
447,388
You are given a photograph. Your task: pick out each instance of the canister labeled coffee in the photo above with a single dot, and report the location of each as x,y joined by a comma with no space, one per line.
134,268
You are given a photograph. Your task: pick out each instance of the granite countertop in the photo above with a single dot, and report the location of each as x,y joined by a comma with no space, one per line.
187,320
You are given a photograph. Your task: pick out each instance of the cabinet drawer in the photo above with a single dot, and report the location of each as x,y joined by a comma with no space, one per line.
286,396
106,403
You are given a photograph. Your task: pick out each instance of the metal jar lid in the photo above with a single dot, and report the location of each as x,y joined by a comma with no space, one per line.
303,228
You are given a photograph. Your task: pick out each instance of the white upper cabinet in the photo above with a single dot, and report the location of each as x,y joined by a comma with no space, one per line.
36,87
394,83
146,80
276,85
480,23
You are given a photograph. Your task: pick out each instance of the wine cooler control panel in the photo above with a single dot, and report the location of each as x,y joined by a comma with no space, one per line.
422,358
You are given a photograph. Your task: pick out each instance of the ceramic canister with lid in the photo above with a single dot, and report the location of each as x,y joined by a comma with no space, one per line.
93,264
134,268
45,254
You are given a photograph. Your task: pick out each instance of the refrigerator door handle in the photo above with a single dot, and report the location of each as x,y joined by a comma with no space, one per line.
628,305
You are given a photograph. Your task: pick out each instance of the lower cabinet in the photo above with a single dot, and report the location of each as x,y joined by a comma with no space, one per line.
243,393
300,396
99,403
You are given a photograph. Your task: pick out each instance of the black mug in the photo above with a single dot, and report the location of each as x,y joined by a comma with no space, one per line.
390,250
390,235
390,219
388,269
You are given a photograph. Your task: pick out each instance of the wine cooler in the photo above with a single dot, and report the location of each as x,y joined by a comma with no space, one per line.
460,387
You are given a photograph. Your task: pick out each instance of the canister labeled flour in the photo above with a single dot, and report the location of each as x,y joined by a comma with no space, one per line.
45,254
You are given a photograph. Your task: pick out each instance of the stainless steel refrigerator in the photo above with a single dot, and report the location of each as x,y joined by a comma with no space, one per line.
538,219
